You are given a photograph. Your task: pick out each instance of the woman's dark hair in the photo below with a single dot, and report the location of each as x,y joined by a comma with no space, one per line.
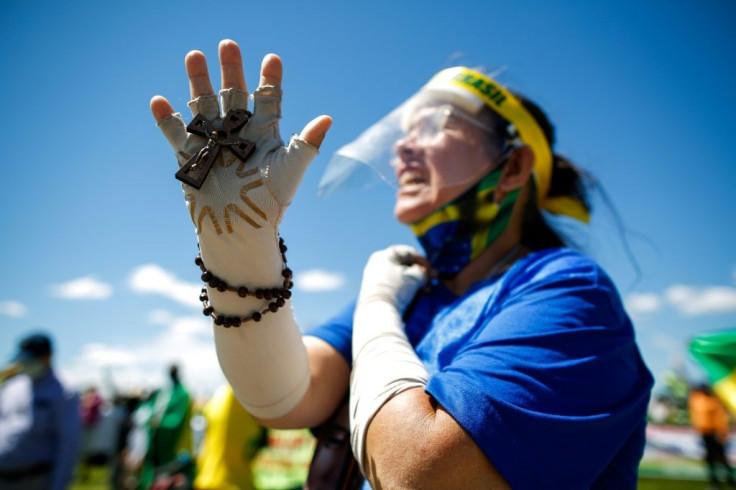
566,180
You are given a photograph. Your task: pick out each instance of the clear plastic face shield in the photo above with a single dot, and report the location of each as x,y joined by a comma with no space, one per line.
443,150
433,139
461,125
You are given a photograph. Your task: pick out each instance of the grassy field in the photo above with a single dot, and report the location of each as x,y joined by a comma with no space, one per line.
98,480
656,484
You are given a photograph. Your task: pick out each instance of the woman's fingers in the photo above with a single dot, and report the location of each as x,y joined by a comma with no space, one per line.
271,71
172,127
231,65
160,108
199,78
314,132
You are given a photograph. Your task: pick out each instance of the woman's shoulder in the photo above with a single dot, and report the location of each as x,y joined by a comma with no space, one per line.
561,257
553,264
565,287
561,270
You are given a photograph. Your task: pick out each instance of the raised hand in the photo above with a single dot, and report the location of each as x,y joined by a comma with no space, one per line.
236,212
239,199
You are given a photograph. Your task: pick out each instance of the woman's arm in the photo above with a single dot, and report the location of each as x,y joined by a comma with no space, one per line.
413,442
330,375
236,212
401,437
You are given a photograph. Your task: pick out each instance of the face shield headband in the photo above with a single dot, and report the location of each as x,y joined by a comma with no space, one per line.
471,91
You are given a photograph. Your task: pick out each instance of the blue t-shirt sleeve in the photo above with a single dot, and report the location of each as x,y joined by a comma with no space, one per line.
338,332
552,386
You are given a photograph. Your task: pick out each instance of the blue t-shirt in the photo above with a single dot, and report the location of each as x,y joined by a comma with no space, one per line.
539,366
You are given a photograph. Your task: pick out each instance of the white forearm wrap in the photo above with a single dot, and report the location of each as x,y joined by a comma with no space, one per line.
265,362
236,215
384,363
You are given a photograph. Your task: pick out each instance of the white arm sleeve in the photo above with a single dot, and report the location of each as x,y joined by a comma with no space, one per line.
236,215
265,362
384,363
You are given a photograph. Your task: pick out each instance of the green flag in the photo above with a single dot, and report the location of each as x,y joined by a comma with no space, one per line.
716,352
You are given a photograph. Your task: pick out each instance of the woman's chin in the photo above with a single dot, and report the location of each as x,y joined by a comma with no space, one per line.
414,203
408,211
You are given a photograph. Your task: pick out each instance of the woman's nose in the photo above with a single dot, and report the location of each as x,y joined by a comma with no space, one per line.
406,148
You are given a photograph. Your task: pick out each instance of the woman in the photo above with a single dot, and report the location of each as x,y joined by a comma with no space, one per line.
515,367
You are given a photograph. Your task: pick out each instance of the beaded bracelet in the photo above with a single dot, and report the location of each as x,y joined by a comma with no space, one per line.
279,295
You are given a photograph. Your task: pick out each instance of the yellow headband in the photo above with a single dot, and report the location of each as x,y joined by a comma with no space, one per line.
462,82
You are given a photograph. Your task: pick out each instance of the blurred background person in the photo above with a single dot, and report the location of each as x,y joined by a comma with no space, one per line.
123,407
710,418
90,407
231,440
169,434
136,442
91,413
40,426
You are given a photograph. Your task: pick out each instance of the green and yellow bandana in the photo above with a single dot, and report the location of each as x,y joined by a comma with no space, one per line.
458,232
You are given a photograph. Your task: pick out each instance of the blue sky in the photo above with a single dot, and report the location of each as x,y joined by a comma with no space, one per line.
97,246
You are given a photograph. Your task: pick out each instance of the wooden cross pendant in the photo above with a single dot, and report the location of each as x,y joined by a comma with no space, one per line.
195,171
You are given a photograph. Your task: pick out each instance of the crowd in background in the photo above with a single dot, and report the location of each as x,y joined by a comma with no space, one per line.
165,440
53,438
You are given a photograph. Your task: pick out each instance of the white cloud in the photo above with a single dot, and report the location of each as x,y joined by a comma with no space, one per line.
83,288
13,308
641,303
152,279
98,354
675,347
314,280
160,317
693,301
667,343
185,340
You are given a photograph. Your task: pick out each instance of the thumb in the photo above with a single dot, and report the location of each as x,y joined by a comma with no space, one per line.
416,272
298,155
314,132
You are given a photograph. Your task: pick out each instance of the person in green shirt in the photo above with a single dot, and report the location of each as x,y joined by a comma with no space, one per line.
169,434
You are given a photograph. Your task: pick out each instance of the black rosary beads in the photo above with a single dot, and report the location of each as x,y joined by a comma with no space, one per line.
276,296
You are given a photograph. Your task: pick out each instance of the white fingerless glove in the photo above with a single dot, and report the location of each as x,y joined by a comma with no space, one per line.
384,363
236,215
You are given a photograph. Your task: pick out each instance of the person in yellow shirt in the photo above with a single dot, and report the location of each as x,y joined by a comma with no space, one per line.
710,418
232,439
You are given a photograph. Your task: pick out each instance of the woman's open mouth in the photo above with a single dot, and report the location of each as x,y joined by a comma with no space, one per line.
411,177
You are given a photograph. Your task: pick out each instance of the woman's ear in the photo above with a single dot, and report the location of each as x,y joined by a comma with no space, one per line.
516,172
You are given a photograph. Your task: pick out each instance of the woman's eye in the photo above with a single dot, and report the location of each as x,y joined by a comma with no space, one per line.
451,122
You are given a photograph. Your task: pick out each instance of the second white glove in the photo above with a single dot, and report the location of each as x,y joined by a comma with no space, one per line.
384,362
393,275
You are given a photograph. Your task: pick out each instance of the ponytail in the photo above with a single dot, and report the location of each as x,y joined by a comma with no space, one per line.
567,180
